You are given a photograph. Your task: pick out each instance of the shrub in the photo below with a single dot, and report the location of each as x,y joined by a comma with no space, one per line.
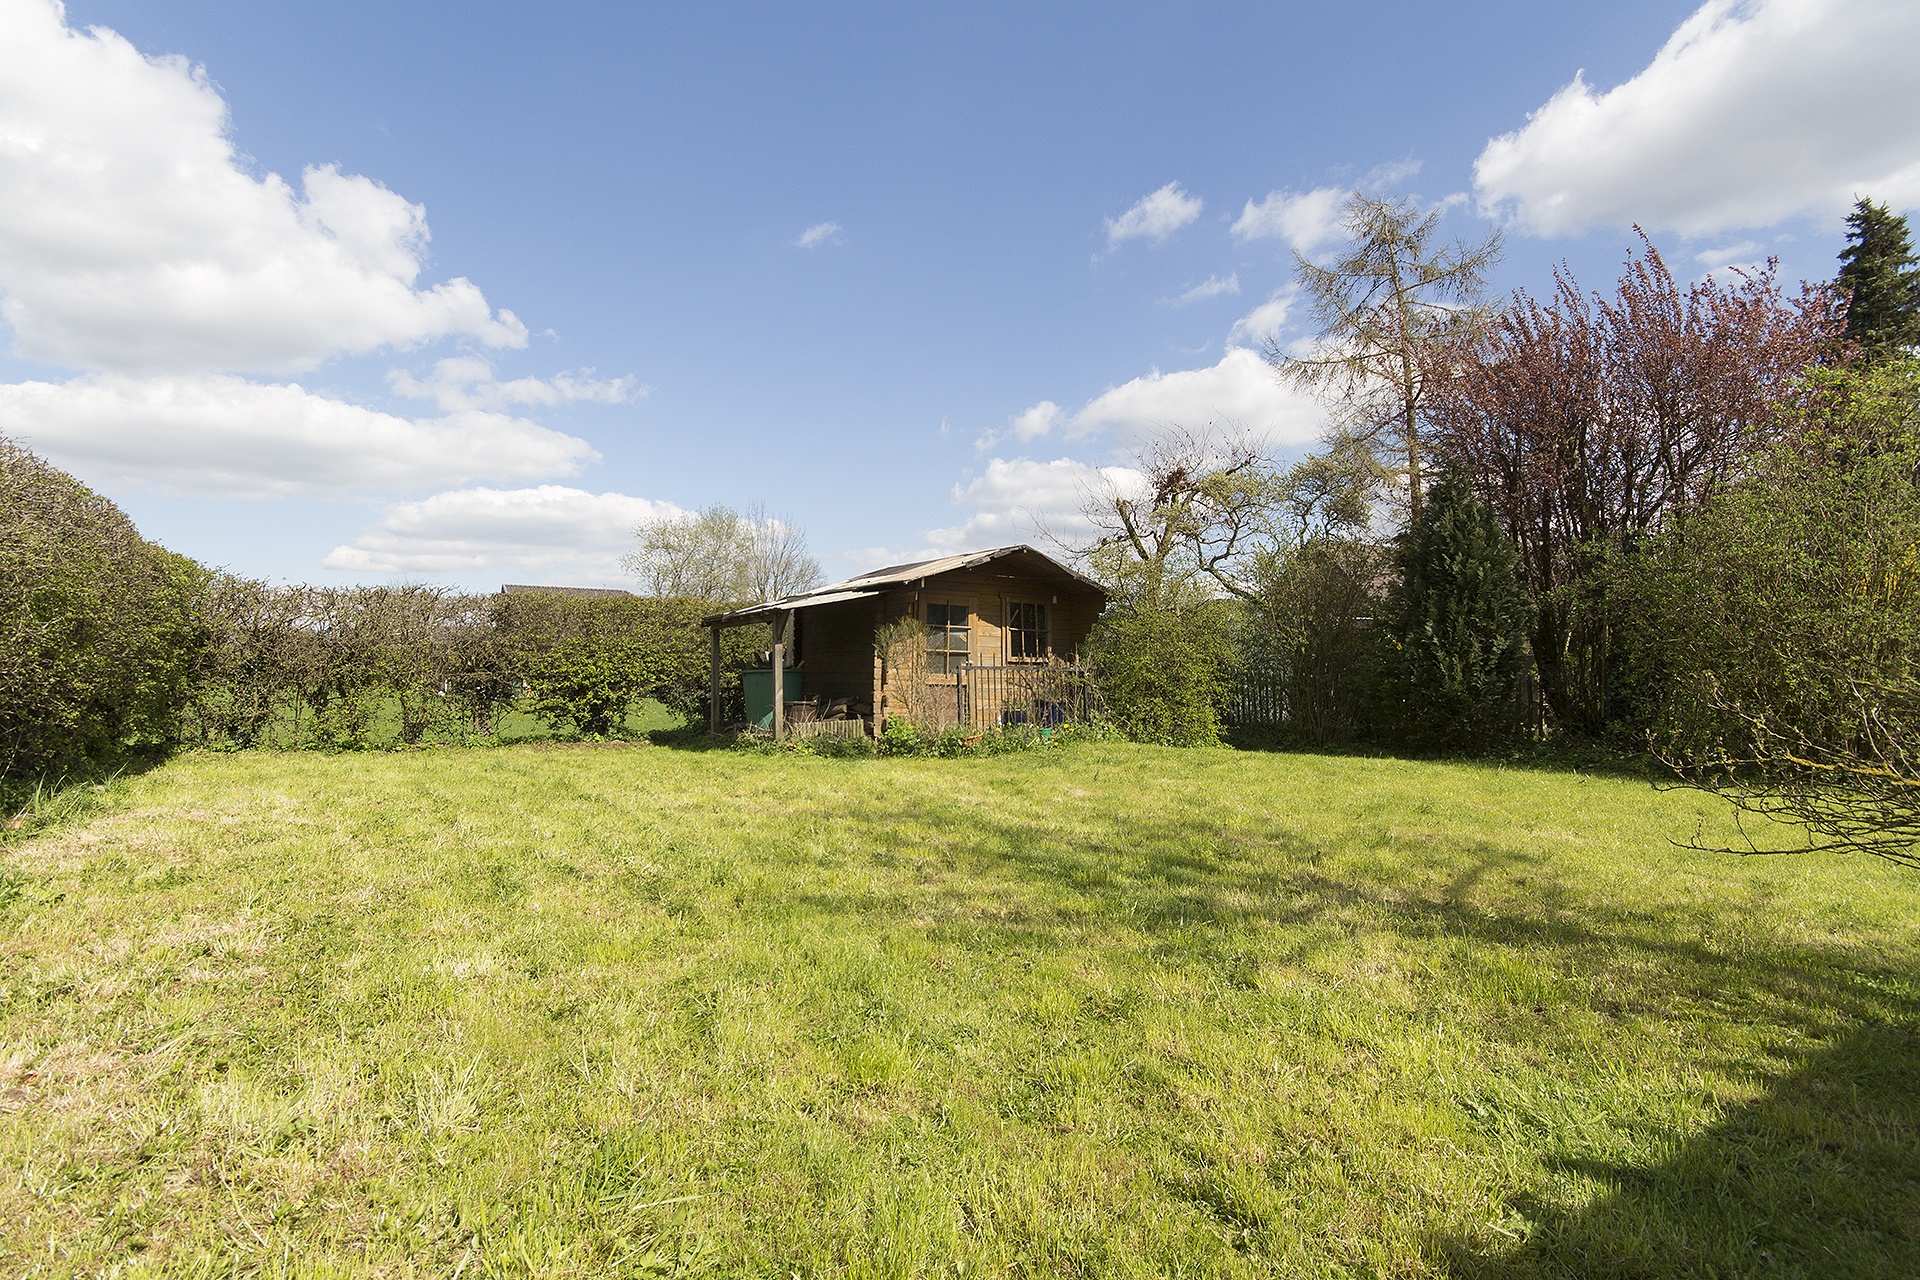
97,633
1785,621
1315,627
586,660
900,738
1165,669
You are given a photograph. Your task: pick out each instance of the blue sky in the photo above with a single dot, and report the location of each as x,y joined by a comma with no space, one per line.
290,381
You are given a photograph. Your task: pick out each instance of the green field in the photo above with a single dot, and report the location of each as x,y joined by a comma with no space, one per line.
1099,1010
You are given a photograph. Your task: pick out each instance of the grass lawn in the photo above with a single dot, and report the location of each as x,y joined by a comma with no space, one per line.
1102,1010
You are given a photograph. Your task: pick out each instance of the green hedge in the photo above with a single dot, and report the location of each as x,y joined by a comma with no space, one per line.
98,634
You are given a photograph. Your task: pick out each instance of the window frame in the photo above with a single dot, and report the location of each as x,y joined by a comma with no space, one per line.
927,605
1044,631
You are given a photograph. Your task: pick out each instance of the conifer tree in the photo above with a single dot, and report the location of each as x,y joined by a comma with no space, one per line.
1459,617
1882,276
1389,310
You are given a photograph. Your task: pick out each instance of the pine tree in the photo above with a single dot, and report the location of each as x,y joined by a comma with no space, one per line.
1882,276
1459,616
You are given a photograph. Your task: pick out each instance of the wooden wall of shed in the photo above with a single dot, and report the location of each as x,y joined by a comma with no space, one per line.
1071,610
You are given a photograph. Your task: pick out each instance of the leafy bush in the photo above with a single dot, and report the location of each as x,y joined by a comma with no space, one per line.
587,659
1316,627
309,666
1785,619
901,737
1165,669
97,633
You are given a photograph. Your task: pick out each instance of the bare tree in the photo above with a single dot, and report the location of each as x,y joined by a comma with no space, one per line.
1201,513
1214,514
1389,310
775,561
720,554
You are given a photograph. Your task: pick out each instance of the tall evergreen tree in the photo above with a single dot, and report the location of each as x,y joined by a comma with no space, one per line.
1882,276
1459,616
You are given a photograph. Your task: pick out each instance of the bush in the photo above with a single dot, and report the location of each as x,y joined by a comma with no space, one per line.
364,666
1315,627
586,660
901,737
1784,620
310,666
97,631
1165,670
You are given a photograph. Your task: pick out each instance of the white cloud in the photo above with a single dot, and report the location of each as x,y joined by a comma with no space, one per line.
556,534
465,382
1211,287
1020,500
1036,421
818,234
1305,221
1154,217
1014,500
1747,251
1265,321
219,434
1755,111
1391,174
1029,424
132,238
1240,391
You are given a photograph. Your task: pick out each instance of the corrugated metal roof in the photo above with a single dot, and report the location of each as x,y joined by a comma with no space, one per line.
790,602
875,581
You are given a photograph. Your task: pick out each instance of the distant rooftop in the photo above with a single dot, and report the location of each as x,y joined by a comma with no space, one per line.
527,588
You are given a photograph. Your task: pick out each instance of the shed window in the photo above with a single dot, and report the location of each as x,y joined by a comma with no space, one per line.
946,638
1027,632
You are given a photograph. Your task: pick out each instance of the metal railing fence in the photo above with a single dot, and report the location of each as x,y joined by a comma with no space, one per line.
1042,695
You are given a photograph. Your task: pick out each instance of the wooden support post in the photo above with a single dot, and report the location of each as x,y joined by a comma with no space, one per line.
879,672
779,675
713,682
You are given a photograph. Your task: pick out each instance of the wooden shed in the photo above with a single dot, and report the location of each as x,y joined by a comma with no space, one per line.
996,622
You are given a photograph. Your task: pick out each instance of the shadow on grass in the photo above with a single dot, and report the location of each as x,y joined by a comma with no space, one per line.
1167,875
1821,1177
1557,757
691,737
30,808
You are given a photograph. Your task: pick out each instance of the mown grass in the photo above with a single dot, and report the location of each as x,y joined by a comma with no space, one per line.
1104,1010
